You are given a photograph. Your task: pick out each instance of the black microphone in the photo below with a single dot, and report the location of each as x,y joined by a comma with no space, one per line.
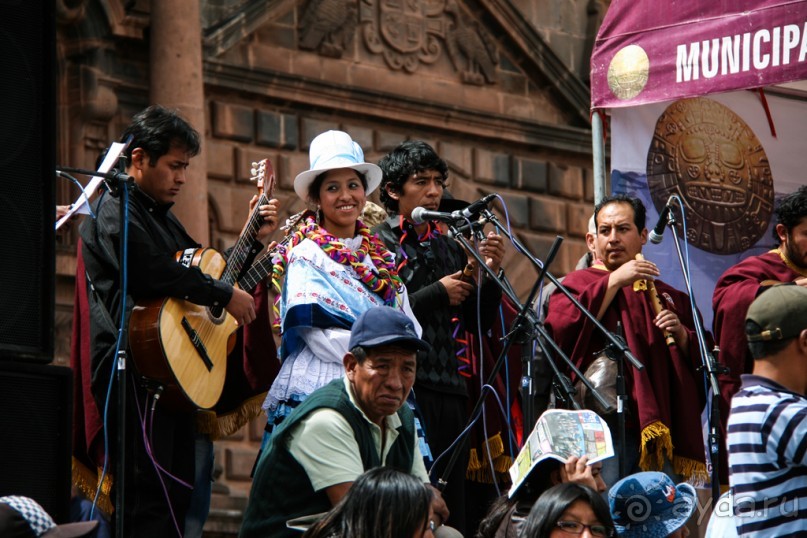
474,208
421,215
657,233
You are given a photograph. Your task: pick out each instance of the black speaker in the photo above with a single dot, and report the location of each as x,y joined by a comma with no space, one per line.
36,402
27,163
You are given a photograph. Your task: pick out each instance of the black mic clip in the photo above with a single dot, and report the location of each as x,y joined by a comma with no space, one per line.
657,233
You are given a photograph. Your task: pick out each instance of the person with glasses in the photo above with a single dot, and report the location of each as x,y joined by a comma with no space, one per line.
508,513
444,302
569,509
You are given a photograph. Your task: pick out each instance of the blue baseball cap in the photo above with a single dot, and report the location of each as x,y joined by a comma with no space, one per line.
650,505
384,325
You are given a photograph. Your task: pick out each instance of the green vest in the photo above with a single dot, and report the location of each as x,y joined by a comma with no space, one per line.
281,489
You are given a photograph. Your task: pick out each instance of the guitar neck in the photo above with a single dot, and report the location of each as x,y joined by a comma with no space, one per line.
260,269
262,266
240,252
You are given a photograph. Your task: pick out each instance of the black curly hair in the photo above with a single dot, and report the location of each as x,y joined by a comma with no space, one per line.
792,209
156,130
398,165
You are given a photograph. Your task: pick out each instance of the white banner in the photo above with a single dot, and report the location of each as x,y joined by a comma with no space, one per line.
719,155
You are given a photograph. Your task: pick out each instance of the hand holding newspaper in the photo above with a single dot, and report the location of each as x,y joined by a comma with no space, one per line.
559,434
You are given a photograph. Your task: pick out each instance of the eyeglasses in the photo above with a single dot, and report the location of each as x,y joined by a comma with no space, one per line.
574,527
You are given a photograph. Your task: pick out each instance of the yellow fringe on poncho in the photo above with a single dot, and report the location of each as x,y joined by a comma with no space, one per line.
479,468
657,446
86,481
218,426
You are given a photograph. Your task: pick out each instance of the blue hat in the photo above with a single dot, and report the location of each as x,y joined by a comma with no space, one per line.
384,325
650,505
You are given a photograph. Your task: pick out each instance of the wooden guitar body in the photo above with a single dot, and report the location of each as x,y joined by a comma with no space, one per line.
183,346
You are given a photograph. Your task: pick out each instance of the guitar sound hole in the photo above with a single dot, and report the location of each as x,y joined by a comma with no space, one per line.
216,314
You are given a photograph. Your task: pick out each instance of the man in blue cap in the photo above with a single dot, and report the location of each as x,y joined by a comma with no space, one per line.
343,429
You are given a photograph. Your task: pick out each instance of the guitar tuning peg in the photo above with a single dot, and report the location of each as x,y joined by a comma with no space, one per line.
254,164
253,173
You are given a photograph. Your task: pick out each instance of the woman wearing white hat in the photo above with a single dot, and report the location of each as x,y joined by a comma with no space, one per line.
333,270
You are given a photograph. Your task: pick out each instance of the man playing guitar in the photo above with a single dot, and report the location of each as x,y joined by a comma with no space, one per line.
160,445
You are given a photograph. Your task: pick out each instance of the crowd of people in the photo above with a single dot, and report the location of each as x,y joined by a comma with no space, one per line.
367,389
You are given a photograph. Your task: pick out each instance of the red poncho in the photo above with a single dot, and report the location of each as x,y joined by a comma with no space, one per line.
734,292
666,397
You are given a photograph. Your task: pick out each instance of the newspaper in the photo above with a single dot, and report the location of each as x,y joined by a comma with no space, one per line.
559,434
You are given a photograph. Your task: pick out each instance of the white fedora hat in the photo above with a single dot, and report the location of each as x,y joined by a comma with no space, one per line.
332,150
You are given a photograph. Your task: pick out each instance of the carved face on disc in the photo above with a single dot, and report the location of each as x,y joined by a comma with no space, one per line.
707,154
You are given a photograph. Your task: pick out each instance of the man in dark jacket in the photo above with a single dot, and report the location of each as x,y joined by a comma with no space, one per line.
443,300
162,144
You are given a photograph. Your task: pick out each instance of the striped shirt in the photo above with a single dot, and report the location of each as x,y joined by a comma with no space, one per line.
767,443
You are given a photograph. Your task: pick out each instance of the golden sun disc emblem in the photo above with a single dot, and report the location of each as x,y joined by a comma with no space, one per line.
628,72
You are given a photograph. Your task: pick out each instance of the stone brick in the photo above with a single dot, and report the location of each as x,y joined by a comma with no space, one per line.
219,158
570,253
290,166
537,244
529,174
386,141
220,198
519,107
234,122
512,83
256,428
306,64
568,48
492,168
521,271
238,463
277,130
458,157
310,128
517,208
566,181
547,214
588,185
363,136
244,159
577,217
276,35
231,204
484,98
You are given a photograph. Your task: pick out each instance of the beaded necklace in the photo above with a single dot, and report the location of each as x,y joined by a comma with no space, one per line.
385,282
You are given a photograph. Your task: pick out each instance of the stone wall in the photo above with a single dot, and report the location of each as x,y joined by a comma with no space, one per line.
515,124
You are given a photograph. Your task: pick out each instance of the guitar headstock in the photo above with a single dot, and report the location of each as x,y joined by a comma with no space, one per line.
263,174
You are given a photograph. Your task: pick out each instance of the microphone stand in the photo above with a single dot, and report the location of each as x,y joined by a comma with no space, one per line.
621,400
525,321
709,367
618,344
616,347
118,183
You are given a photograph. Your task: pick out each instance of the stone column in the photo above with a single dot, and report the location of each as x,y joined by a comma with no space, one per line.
177,82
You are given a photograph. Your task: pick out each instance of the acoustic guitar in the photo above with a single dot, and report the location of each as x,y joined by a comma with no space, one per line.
182,347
